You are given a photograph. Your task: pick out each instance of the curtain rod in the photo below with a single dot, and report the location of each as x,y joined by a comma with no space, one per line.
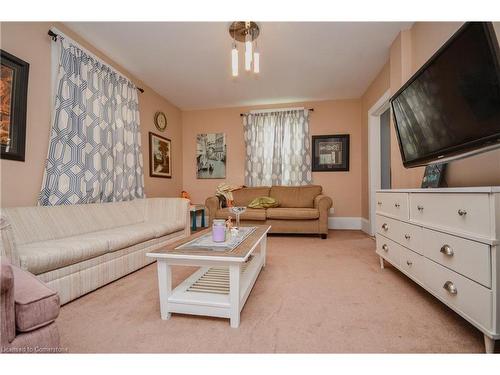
277,110
54,36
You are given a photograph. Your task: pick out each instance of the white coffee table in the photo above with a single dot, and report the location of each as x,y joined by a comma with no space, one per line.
223,283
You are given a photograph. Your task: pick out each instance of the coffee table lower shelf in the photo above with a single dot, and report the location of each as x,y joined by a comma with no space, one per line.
208,291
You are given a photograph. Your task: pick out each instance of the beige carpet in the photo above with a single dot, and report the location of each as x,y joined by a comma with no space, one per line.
314,296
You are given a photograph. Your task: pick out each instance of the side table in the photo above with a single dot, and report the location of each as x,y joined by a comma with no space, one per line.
194,208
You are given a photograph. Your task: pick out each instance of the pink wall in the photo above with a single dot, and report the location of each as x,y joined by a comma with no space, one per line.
329,117
409,51
21,181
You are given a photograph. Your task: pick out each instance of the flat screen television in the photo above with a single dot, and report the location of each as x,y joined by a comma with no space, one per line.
450,108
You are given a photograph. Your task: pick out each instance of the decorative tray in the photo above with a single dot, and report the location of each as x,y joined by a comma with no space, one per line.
205,242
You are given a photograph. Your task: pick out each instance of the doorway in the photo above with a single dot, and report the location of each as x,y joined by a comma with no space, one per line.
385,150
379,153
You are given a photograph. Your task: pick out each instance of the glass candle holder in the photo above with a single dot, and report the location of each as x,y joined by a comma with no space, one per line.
238,211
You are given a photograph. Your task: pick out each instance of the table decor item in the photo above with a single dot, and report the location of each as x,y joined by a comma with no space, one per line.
219,230
237,211
206,241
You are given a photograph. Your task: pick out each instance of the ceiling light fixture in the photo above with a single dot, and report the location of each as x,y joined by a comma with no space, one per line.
245,32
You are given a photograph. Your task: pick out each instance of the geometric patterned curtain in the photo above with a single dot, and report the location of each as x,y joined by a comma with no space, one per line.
94,150
277,148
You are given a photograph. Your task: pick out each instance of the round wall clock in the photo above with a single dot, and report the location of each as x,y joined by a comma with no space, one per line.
160,121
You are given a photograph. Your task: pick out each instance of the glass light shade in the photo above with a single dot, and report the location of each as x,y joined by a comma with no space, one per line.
256,62
248,54
234,61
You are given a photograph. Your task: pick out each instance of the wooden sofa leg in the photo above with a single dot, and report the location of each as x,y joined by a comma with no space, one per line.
323,236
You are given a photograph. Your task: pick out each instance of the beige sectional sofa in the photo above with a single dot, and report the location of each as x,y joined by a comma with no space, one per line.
302,209
76,249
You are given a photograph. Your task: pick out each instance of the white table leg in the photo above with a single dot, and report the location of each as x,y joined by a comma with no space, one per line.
164,287
234,294
381,262
489,345
263,250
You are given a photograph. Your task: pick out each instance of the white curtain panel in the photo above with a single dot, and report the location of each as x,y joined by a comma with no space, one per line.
278,150
95,145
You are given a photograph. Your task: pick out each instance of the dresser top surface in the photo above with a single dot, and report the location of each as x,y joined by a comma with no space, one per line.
476,189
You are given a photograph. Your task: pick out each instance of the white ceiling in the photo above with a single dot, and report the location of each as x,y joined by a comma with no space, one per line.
189,64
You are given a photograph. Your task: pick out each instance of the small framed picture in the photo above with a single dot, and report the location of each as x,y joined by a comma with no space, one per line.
13,101
434,176
160,156
330,153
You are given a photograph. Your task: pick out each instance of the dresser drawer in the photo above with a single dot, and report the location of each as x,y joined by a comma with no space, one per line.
469,258
459,293
388,249
463,213
403,233
393,204
412,264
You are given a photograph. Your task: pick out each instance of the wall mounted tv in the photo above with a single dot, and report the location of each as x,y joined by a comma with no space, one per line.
450,108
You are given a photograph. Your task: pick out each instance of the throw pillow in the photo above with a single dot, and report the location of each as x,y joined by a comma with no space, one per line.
263,202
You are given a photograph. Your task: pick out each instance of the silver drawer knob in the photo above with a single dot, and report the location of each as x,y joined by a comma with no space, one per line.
397,205
409,263
379,203
462,212
420,208
385,247
385,226
407,236
447,250
450,287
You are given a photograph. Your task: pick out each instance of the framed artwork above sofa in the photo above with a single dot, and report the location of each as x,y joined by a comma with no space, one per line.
330,153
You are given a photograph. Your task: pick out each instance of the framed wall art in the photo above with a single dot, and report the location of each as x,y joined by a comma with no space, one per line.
13,101
160,156
211,156
434,176
330,153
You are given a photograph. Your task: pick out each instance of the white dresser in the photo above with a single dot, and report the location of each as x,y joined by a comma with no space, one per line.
447,241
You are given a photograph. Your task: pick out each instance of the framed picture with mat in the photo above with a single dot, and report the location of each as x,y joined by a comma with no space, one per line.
434,176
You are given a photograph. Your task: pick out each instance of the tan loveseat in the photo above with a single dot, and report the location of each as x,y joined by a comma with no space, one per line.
302,209
75,249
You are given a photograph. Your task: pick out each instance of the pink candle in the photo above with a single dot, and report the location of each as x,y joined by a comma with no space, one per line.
219,231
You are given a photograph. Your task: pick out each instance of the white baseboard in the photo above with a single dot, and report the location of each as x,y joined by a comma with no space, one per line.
365,226
351,223
348,223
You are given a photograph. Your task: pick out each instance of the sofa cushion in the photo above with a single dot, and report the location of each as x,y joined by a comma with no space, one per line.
129,235
36,304
243,197
295,196
43,256
44,223
292,213
162,229
249,214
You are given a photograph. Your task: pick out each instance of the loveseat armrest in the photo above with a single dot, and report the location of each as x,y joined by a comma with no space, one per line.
7,244
7,304
212,204
323,203
169,210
